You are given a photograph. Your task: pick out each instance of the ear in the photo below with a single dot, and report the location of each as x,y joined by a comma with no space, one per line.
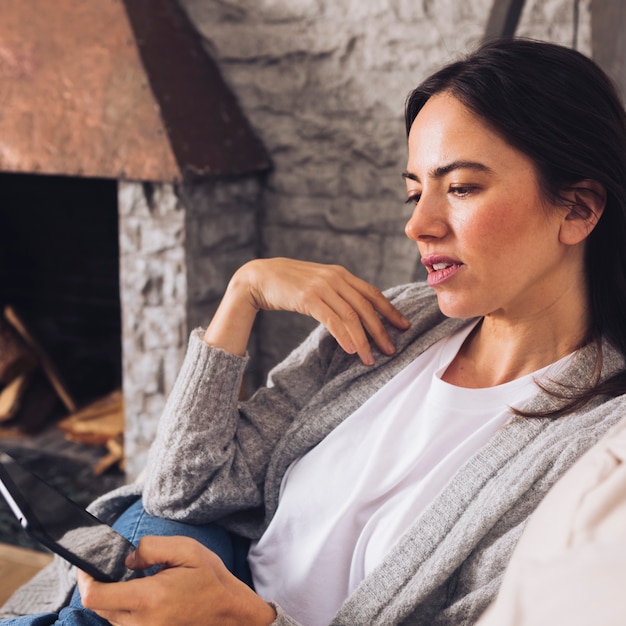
584,203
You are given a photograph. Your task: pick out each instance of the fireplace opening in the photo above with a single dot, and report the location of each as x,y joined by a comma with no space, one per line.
90,115
59,269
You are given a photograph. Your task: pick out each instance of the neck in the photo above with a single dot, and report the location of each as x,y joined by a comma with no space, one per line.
501,349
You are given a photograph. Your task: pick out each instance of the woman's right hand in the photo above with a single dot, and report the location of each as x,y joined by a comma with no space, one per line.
193,587
350,308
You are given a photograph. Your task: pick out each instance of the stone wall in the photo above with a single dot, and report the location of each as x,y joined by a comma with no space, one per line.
178,247
153,289
324,85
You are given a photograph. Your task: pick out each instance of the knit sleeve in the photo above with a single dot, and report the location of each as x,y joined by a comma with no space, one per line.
210,453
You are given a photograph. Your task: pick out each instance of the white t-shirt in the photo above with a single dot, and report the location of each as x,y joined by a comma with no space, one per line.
346,503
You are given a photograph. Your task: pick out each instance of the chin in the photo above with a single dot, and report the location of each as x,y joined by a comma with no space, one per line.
458,308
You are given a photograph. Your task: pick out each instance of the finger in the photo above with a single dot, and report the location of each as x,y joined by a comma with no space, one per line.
344,323
348,327
116,618
376,330
369,319
165,551
335,323
379,302
116,597
358,315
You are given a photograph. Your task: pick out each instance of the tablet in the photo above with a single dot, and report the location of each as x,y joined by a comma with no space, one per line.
63,526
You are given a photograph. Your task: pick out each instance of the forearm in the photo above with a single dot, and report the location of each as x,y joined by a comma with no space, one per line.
210,453
196,442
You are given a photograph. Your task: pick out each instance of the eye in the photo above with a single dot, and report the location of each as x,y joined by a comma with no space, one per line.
462,191
413,198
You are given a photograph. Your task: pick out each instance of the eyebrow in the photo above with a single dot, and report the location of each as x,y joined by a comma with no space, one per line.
442,170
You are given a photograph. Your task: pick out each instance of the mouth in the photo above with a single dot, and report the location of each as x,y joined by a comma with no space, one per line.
440,268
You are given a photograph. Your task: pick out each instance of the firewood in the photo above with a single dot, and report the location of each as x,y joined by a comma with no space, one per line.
38,405
15,356
96,432
112,402
114,457
97,422
11,396
46,362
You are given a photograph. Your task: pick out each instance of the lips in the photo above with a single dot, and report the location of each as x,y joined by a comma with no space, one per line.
440,268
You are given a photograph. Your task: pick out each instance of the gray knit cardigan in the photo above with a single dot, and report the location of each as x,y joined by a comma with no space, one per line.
216,459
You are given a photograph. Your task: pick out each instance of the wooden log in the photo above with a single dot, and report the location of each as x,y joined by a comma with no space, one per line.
55,378
11,396
37,406
15,356
97,422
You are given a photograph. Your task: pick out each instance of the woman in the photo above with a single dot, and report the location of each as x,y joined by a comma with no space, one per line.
392,488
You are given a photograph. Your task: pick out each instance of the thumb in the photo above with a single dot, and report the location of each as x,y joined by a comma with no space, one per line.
163,551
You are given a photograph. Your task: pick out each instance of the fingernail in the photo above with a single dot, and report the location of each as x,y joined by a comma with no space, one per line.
369,359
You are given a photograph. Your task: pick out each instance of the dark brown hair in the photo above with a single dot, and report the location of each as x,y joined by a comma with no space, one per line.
560,109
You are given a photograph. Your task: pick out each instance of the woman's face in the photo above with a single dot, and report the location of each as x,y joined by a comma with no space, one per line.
488,239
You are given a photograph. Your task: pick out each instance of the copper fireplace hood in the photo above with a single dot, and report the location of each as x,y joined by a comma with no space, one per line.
117,89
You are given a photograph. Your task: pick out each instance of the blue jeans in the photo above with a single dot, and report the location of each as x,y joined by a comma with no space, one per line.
135,523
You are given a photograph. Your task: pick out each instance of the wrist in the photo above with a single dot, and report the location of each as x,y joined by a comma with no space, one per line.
239,290
232,323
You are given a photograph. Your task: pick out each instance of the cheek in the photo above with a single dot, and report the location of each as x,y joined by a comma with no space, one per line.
495,230
483,232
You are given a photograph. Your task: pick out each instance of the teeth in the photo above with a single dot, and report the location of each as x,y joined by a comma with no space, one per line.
440,266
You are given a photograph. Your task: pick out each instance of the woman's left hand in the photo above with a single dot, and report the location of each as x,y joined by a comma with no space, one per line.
194,587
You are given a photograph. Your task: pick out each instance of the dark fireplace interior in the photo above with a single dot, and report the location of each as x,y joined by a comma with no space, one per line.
59,269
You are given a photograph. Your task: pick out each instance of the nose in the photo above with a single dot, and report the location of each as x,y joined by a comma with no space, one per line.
427,220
